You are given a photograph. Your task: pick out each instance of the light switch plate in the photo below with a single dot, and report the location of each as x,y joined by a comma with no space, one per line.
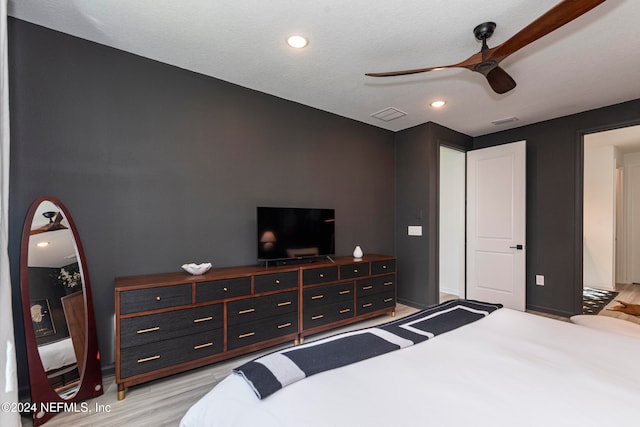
539,280
414,230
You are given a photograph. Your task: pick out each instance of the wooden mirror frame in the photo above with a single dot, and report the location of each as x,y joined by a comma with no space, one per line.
42,393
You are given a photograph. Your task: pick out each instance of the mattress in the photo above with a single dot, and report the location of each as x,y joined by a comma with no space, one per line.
57,354
510,368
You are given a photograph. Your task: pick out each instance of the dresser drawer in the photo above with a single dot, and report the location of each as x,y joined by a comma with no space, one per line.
250,333
221,289
375,284
317,316
252,309
313,276
375,302
325,295
154,298
275,281
382,267
351,271
155,327
146,358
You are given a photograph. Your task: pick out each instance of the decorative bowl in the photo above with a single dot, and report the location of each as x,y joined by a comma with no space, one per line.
197,269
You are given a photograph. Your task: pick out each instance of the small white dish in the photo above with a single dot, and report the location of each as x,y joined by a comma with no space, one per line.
197,269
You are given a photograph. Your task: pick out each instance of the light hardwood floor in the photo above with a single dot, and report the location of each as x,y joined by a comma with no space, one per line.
628,293
163,402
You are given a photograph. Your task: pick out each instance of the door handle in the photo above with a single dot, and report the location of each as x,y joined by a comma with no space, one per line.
518,247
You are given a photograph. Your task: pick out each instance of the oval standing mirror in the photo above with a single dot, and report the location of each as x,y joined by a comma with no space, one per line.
62,348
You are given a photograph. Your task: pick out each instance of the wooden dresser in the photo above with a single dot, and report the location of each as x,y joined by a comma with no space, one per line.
173,322
347,291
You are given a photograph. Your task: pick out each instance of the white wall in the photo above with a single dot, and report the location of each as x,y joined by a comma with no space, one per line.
452,221
632,214
599,216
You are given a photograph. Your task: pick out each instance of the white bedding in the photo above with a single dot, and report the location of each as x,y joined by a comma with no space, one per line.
57,354
508,369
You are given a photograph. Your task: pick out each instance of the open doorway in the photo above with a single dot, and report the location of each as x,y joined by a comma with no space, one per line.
452,213
611,210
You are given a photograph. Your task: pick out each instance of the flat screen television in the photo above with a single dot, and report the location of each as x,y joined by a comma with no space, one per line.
295,233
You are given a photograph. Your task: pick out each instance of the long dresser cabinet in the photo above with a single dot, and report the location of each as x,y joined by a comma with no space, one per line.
173,322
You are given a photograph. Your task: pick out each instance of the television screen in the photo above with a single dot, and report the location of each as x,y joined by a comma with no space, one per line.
285,233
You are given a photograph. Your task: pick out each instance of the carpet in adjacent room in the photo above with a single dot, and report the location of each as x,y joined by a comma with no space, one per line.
594,300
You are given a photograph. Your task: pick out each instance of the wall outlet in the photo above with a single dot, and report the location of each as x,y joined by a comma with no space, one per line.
539,280
414,230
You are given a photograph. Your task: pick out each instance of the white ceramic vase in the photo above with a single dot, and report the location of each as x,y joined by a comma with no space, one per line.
357,252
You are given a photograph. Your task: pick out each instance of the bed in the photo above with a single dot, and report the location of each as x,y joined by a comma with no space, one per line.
57,355
508,368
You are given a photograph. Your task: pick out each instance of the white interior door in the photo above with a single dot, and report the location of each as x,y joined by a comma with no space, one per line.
496,247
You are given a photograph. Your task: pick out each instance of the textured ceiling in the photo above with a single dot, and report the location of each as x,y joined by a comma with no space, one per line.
589,63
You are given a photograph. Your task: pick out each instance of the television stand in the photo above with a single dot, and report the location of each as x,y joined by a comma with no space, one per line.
172,322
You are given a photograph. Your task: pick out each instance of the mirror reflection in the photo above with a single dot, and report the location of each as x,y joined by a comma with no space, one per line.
56,292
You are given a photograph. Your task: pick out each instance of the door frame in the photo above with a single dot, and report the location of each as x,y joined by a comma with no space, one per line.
579,207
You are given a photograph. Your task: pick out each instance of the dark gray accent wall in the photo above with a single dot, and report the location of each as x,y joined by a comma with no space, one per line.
417,193
160,166
554,200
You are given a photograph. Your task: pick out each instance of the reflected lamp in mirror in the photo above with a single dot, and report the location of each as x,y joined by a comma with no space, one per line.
60,335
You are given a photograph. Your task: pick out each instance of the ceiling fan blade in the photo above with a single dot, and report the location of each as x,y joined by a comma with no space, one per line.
405,72
500,81
37,231
54,224
561,14
58,218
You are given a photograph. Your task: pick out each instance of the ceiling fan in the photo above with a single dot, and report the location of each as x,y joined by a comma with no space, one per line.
53,225
486,62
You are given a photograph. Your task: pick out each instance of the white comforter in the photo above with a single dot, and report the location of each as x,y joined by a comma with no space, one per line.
508,369
57,354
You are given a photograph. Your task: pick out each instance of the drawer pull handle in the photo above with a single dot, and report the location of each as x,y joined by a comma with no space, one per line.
367,305
225,289
284,325
277,282
250,334
321,274
282,304
388,299
144,331
346,310
198,347
344,292
203,319
384,267
355,270
148,359
319,316
157,298
317,297
249,310
366,288
388,283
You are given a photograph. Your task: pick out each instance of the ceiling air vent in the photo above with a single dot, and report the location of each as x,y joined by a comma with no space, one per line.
389,114
505,121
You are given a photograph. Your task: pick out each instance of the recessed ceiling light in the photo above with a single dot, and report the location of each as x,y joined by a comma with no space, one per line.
297,42
437,104
42,244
